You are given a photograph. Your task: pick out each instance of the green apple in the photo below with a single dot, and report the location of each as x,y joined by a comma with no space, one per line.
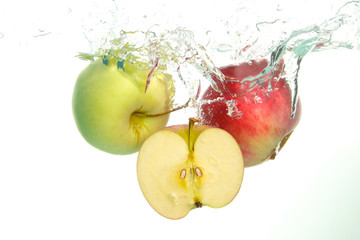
184,167
117,104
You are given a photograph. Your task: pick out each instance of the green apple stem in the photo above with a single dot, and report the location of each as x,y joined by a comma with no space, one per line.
192,121
164,113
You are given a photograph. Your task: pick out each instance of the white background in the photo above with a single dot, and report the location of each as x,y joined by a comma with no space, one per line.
53,185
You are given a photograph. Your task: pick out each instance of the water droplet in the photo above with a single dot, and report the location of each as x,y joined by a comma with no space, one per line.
233,111
224,48
105,60
120,64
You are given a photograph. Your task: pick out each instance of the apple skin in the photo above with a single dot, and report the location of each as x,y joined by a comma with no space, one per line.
265,123
111,108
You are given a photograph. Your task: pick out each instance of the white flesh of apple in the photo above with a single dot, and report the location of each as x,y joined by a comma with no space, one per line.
175,179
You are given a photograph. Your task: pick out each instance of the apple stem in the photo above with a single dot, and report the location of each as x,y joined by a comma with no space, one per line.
192,121
170,111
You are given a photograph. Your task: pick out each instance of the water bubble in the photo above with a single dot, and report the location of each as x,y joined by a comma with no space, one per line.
224,48
233,111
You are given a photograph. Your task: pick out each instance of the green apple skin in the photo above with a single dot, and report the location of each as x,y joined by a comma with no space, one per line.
112,110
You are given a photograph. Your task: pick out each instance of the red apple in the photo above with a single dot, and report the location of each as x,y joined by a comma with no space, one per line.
258,118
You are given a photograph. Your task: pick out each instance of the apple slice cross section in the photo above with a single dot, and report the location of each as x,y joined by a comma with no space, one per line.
181,168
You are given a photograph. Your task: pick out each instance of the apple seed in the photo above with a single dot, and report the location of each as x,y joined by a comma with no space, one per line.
198,172
183,174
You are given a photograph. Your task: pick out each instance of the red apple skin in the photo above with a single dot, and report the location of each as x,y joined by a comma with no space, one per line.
265,122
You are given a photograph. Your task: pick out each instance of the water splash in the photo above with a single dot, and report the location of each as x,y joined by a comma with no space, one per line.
173,52
194,66
339,31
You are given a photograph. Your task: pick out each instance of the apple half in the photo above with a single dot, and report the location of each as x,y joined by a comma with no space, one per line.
185,167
